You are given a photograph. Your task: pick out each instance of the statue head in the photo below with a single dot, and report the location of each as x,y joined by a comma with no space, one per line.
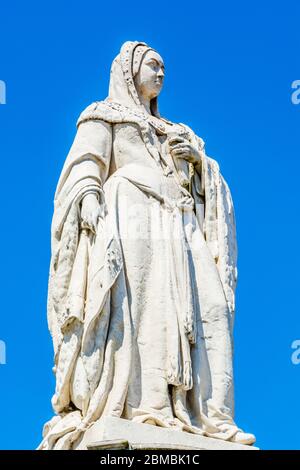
137,72
149,78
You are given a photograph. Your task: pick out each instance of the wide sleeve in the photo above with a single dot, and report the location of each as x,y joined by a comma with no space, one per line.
220,228
85,170
215,214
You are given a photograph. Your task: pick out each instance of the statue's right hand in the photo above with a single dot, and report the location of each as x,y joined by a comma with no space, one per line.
90,212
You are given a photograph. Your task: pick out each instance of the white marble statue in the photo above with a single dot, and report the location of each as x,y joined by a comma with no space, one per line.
143,269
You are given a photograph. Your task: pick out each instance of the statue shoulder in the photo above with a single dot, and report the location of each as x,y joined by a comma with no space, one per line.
99,111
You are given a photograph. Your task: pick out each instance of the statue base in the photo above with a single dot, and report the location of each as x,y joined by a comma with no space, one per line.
117,433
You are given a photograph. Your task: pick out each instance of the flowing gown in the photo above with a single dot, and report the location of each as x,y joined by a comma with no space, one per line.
141,323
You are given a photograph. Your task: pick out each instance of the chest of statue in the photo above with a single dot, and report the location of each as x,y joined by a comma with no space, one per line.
129,146
132,145
149,151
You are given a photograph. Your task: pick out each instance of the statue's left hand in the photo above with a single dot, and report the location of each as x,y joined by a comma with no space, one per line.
182,148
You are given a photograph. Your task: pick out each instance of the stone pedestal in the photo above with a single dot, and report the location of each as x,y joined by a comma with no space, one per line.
116,433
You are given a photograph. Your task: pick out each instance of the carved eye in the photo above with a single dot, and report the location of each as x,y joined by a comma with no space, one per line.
155,65
152,63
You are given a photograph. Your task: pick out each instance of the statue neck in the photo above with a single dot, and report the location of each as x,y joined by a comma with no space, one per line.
145,102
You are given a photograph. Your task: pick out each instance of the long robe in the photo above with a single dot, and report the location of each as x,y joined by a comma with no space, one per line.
141,314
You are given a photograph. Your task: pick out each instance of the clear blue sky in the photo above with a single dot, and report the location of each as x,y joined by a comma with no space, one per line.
229,69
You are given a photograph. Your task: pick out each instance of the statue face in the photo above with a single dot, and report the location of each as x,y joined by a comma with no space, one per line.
149,79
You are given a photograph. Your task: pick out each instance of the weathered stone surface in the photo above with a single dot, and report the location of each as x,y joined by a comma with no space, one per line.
143,272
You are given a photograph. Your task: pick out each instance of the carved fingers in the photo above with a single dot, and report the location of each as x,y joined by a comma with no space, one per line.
182,148
91,211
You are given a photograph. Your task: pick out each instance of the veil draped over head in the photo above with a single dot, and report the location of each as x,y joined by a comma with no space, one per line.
123,71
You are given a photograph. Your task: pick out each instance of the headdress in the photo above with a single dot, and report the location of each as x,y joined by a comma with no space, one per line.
124,68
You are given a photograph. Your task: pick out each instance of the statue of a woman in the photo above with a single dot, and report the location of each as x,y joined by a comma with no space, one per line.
143,269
